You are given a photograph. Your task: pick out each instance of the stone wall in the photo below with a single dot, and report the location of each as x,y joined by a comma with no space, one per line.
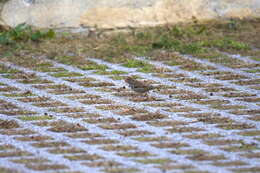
121,13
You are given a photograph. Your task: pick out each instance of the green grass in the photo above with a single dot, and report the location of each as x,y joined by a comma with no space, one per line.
66,74
93,67
25,94
154,161
117,77
253,71
36,118
141,65
135,154
80,62
4,69
44,66
179,46
147,69
174,63
132,63
256,58
114,72
118,72
24,33
225,43
197,39
69,60
9,76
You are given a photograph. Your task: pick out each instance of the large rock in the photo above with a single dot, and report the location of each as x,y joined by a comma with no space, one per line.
122,13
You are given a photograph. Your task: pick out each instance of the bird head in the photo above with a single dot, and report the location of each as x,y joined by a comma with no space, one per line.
128,79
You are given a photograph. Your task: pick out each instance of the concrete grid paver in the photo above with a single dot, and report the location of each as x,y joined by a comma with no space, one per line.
147,150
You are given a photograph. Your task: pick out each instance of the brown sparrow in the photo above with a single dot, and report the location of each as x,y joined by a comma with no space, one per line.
138,86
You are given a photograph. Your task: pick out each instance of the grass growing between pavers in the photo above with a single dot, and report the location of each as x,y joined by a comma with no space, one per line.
66,74
23,94
36,118
203,40
155,161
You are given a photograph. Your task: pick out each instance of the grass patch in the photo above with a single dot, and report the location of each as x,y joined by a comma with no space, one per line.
147,69
113,72
256,58
168,43
4,69
46,67
253,71
132,63
155,161
24,94
198,39
94,67
117,77
66,74
24,33
225,43
136,154
141,65
117,72
80,62
36,118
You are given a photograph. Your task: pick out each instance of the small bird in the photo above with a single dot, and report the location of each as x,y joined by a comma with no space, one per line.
138,86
